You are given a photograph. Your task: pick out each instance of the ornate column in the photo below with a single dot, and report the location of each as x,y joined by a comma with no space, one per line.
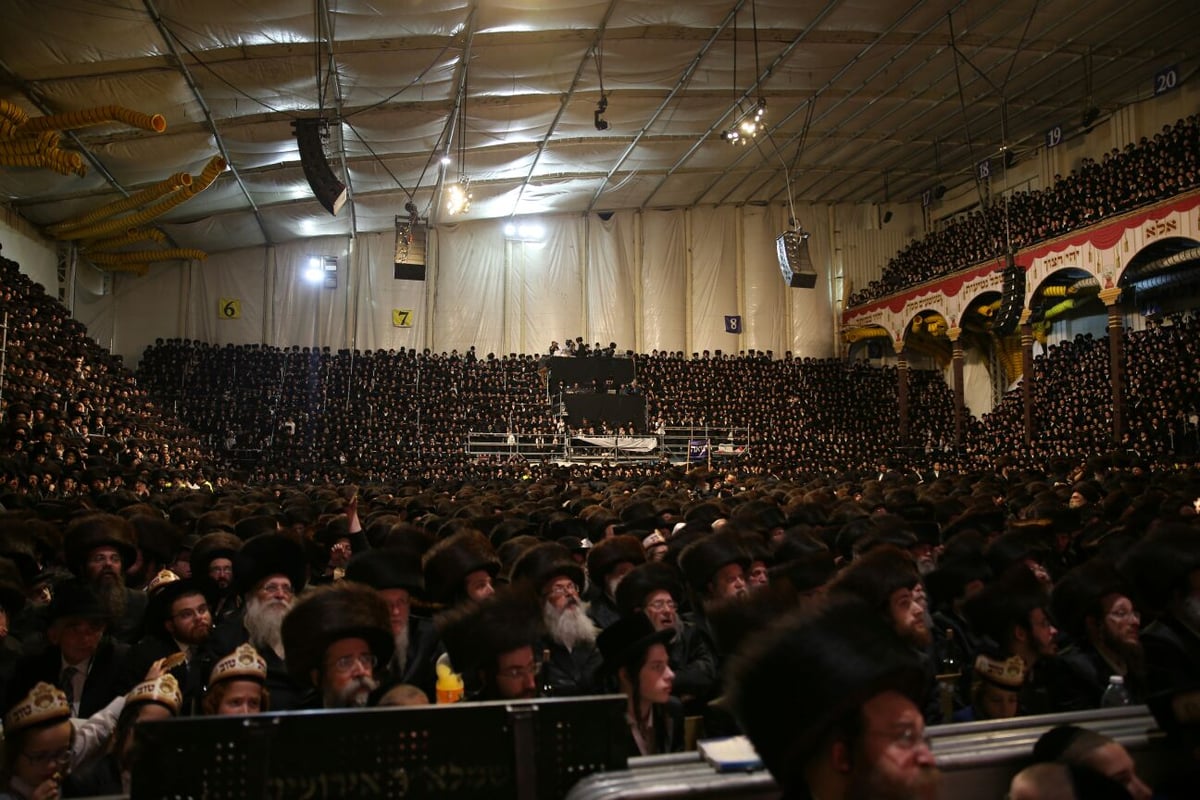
956,361
902,388
1116,358
1027,372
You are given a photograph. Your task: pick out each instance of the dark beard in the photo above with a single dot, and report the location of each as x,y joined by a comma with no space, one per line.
112,596
1132,654
871,784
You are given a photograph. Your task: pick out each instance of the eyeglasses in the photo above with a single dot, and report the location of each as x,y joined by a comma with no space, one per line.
562,589
284,589
1122,614
662,605
44,757
520,673
191,613
347,663
907,738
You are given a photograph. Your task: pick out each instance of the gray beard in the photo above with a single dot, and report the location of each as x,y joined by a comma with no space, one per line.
571,626
400,657
264,622
353,695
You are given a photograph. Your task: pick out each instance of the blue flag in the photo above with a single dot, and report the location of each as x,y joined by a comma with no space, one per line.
733,324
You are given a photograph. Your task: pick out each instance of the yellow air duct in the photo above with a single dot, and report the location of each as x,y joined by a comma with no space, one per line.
29,145
1054,291
858,334
96,116
13,113
132,236
180,180
143,257
60,161
209,174
1058,309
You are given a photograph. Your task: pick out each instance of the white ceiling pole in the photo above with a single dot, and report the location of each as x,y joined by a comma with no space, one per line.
562,106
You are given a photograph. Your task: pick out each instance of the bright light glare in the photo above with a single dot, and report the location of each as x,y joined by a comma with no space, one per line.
314,263
510,230
314,274
445,161
531,232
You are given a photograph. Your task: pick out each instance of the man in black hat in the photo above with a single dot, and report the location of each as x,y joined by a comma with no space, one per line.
269,571
99,548
81,659
607,565
654,590
212,565
716,568
178,624
1092,603
459,568
396,575
569,647
496,645
335,637
827,699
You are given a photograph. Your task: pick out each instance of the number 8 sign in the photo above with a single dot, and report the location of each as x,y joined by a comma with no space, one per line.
229,308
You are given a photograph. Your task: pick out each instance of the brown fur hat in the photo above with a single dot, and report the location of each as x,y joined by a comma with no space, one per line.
98,530
451,560
342,610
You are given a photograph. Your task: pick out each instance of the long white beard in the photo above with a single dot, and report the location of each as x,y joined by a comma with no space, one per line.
570,626
264,621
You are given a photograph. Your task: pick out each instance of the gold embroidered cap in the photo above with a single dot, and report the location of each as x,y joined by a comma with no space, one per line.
1008,674
244,663
163,690
160,580
44,703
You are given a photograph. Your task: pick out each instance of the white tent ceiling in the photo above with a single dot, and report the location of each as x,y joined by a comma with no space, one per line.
863,99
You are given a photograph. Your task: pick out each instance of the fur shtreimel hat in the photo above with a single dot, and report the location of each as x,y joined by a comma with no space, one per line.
475,634
269,554
212,546
540,563
451,560
98,530
791,684
344,610
387,568
610,552
653,576
701,559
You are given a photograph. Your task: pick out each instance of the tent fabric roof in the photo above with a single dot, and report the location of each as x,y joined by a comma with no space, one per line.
863,99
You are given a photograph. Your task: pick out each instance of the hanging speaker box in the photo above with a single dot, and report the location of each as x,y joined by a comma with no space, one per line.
329,191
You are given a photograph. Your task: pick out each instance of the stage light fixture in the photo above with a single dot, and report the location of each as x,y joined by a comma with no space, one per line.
748,124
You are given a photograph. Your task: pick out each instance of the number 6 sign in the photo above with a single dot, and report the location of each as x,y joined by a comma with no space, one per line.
229,308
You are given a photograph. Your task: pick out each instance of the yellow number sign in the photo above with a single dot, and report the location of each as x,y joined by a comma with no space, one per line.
229,308
402,317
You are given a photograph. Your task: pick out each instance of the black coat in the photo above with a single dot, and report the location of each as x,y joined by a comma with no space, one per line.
106,679
1172,655
572,672
190,675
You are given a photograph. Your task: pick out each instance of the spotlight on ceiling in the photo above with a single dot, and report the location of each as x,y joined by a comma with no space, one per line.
322,269
458,196
748,124
601,107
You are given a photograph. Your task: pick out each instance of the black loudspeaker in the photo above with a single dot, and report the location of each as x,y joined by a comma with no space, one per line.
794,261
329,191
1012,300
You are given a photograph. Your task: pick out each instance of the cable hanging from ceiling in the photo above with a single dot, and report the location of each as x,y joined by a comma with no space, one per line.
749,120
458,196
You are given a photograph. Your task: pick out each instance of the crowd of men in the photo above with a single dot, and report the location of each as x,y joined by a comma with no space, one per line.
1154,169
1035,591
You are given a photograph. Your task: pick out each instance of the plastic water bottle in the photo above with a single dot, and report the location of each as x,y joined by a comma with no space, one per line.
1116,694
